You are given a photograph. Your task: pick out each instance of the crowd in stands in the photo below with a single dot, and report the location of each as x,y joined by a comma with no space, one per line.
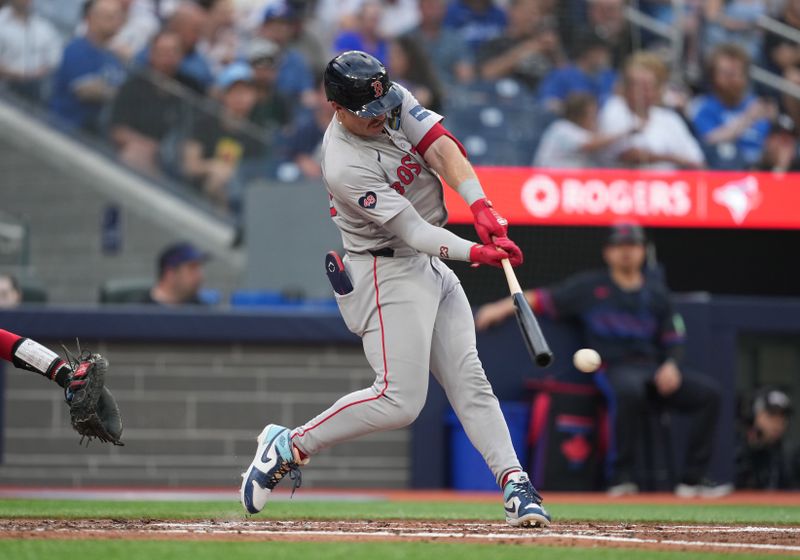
214,92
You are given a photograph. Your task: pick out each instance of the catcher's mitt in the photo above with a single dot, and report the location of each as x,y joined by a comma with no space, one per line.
92,408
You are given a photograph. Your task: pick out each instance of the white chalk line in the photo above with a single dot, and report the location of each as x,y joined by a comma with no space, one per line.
594,528
208,529
495,536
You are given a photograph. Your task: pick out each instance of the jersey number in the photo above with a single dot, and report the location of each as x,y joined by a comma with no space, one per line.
408,169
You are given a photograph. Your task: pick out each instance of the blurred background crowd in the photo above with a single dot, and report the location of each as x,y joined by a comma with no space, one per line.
211,93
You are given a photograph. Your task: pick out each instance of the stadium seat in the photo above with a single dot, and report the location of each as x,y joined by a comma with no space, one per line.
271,298
125,290
33,292
257,298
207,296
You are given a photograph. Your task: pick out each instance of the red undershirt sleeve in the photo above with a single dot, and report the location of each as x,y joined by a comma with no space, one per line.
435,132
7,342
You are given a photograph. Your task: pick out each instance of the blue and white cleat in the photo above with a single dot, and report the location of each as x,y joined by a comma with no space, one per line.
523,503
274,459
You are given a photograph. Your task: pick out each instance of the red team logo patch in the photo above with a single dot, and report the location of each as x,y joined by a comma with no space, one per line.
444,252
377,87
368,201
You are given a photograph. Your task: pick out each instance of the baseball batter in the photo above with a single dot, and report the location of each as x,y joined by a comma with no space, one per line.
384,158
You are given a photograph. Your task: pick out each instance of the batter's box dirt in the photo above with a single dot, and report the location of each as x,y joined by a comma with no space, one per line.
728,538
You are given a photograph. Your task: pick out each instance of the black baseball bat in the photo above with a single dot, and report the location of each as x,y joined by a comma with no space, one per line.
531,332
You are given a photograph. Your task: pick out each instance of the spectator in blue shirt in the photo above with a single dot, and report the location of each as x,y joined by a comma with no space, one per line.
366,37
294,73
590,73
477,21
730,120
90,73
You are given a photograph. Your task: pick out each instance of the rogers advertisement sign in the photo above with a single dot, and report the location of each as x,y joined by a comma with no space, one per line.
605,196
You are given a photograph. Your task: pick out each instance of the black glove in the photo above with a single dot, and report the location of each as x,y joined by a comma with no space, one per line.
93,411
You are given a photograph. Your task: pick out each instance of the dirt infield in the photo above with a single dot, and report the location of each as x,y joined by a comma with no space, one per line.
760,498
778,540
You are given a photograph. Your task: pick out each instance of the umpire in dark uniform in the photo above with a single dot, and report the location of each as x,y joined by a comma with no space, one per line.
626,314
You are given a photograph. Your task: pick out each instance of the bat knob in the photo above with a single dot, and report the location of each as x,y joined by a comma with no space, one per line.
544,359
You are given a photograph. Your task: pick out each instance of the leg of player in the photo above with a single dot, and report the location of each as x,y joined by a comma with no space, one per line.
629,393
395,302
455,364
28,354
699,396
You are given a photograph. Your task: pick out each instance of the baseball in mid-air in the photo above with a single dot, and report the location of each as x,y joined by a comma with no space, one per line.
586,360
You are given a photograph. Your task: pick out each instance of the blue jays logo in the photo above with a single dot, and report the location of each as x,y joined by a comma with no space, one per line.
368,201
740,197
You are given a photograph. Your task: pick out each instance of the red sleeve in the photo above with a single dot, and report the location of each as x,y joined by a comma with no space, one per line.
435,132
7,342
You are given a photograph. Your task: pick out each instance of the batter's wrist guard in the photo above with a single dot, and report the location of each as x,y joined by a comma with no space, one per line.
471,191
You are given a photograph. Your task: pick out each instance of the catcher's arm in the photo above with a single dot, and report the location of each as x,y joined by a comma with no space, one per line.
93,410
32,356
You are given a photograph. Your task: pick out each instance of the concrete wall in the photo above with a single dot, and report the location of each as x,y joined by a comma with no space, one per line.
62,202
191,413
289,230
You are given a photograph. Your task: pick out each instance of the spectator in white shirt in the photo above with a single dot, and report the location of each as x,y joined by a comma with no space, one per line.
573,141
663,140
399,16
30,48
162,10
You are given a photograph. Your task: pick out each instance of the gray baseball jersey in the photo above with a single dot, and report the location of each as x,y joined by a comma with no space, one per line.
370,180
409,309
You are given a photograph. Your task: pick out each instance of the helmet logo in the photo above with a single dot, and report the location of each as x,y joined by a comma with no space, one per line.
377,87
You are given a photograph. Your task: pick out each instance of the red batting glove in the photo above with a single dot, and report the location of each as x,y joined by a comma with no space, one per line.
514,252
487,254
488,223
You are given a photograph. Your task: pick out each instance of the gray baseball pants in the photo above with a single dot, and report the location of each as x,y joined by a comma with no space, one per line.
413,317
